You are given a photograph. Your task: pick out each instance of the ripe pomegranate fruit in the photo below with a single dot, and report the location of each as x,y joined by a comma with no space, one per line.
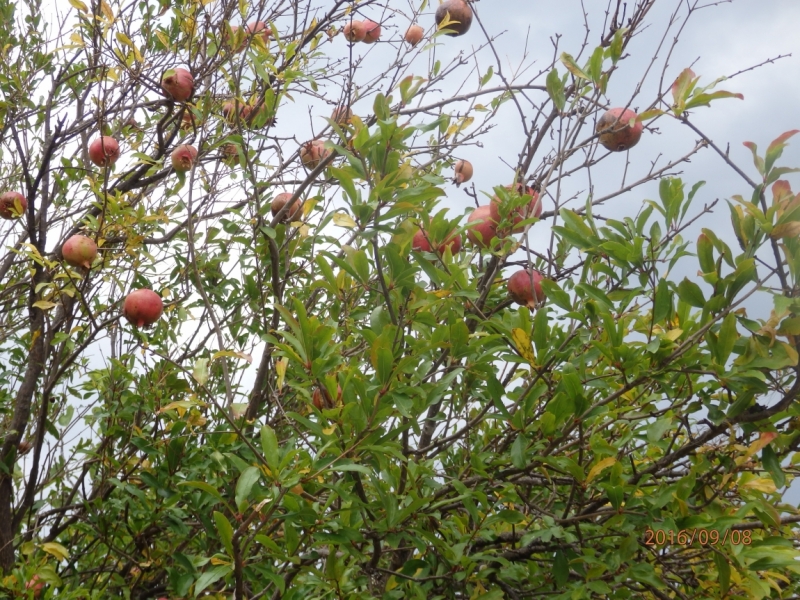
183,157
373,31
177,84
37,585
463,171
414,34
459,11
481,234
230,154
13,205
533,209
341,115
79,251
615,129
104,151
294,212
422,243
525,288
259,28
142,307
312,153
321,398
355,31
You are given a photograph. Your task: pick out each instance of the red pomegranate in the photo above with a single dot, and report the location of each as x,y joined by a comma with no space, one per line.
79,251
142,307
422,243
373,31
616,131
259,28
321,397
312,153
533,209
177,84
36,584
104,151
414,34
13,205
294,212
355,31
183,157
525,288
481,234
460,16
230,154
463,171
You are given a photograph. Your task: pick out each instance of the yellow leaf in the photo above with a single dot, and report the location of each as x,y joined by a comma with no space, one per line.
163,38
280,367
786,230
79,5
761,484
523,343
56,550
673,334
218,561
442,293
329,430
233,354
44,304
603,464
76,39
106,10
343,220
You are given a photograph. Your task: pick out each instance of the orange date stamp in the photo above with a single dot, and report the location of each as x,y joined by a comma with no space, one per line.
704,537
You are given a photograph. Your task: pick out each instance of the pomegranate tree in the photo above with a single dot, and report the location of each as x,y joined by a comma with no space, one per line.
414,34
312,153
321,398
354,31
463,170
520,213
422,242
372,31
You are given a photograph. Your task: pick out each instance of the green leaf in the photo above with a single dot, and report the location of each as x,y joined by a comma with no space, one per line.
247,479
201,485
209,577
555,87
723,572
690,292
772,464
561,569
573,67
727,338
269,445
225,532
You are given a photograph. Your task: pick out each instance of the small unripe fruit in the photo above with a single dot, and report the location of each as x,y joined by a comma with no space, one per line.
312,153
183,157
372,31
79,251
341,115
354,31
321,398
460,16
259,28
463,171
615,129
13,205
532,209
142,307
187,121
422,243
414,34
24,447
293,213
177,84
481,234
104,151
525,288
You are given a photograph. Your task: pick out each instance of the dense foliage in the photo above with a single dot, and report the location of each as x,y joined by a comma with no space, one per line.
323,411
